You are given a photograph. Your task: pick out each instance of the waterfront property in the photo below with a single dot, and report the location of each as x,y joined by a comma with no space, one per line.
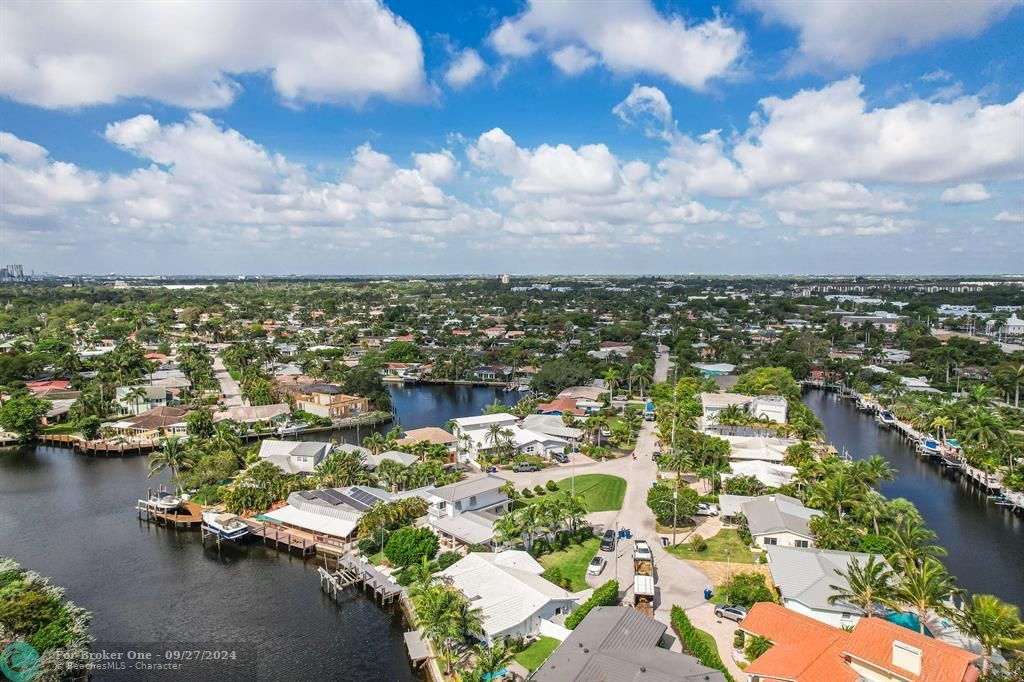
620,643
513,597
294,457
463,513
773,520
803,578
154,423
807,650
328,400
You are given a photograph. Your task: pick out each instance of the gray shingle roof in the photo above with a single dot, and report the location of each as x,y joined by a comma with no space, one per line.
619,644
778,513
805,575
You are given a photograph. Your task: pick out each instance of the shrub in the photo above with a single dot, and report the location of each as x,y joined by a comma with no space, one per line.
554,575
757,647
697,543
606,595
737,639
409,545
91,427
527,492
696,642
552,486
446,559
874,544
746,589
537,489
369,545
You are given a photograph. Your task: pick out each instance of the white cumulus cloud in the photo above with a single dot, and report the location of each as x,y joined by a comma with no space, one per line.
627,36
465,68
64,53
849,34
967,193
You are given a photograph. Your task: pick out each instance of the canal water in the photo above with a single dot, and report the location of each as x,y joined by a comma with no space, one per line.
985,542
71,518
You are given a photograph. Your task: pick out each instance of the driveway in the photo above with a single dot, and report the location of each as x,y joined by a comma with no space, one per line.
229,388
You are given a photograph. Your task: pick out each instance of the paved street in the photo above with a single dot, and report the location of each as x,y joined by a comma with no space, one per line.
677,582
229,388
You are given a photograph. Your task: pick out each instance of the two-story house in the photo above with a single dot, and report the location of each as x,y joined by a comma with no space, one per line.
328,400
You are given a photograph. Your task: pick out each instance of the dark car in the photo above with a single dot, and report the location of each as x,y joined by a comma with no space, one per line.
732,612
520,467
560,457
608,541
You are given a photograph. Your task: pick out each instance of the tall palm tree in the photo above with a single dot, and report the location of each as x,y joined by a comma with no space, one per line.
172,455
911,544
836,493
574,510
995,624
868,584
495,436
375,443
136,396
923,588
489,661
509,527
872,508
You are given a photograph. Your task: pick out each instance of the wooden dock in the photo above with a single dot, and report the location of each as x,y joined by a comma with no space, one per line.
100,447
281,537
355,571
188,515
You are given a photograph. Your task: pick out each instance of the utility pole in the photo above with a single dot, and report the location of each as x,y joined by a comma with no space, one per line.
675,510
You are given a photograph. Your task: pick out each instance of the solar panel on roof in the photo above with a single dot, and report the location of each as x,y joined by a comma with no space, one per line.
332,497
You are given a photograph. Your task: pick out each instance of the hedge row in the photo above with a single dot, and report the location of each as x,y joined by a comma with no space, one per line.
606,595
706,653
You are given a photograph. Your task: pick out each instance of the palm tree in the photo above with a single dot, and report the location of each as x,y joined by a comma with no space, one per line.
836,493
942,426
872,507
136,395
509,527
912,544
375,443
925,587
611,380
995,624
172,455
574,510
490,660
495,436
868,584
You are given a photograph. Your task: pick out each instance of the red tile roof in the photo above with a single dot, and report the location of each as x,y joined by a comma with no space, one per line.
872,641
807,650
563,405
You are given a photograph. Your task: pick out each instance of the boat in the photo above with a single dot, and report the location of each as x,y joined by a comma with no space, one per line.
227,526
292,428
951,462
929,446
165,501
885,418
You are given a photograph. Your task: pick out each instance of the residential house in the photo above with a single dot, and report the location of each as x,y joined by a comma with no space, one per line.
774,520
619,643
772,408
430,434
513,598
328,400
875,650
803,578
560,406
294,457
372,461
551,425
135,399
251,415
158,422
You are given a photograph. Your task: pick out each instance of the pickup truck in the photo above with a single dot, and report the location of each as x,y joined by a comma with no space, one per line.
642,551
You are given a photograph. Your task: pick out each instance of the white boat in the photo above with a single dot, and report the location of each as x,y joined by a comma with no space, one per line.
227,526
292,428
929,446
163,500
885,418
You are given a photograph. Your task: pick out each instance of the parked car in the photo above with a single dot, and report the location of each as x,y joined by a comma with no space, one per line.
608,541
560,457
520,467
492,470
705,509
731,611
642,551
597,565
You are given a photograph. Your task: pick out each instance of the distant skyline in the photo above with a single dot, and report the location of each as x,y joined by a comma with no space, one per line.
759,137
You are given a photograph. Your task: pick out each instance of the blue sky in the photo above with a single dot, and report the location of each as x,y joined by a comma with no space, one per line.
765,136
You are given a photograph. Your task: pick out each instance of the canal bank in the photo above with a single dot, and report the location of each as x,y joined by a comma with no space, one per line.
985,542
71,517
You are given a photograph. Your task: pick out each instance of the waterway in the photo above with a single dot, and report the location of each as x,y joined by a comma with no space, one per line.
985,542
71,518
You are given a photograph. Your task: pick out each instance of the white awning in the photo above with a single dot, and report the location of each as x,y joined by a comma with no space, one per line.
316,523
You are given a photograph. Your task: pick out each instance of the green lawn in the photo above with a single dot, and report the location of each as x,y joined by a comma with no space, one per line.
600,492
62,429
727,538
532,656
572,562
